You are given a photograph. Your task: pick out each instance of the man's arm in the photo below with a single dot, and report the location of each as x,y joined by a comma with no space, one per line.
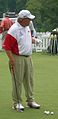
11,59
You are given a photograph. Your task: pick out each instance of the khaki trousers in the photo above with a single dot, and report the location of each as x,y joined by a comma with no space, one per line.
23,75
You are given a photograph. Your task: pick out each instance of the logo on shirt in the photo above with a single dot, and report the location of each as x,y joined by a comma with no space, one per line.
21,34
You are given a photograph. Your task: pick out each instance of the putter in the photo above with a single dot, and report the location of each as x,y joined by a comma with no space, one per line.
16,91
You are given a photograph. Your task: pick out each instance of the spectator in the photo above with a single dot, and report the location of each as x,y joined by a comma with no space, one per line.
5,25
0,37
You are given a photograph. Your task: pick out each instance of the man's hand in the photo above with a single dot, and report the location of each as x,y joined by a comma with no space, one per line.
36,40
12,65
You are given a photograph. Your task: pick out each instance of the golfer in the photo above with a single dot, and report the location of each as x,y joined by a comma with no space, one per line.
18,47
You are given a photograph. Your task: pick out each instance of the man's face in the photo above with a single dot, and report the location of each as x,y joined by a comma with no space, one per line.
24,22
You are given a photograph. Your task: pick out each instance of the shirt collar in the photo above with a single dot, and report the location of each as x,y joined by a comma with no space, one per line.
19,25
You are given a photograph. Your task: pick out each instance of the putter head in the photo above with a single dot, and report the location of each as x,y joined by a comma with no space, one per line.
17,108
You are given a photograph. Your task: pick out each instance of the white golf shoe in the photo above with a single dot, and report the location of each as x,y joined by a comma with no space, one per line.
19,107
33,105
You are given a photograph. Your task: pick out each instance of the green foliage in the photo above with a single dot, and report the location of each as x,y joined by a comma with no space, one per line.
3,6
20,4
49,14
46,11
12,5
34,6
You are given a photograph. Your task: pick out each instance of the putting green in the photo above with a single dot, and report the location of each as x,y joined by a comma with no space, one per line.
45,88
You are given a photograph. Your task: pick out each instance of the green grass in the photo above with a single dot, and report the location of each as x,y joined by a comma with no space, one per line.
45,88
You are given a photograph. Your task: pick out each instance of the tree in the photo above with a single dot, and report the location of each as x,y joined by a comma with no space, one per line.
7,5
20,4
3,7
12,5
45,11
34,6
49,14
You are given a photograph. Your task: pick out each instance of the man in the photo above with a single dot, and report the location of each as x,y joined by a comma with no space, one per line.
18,47
6,23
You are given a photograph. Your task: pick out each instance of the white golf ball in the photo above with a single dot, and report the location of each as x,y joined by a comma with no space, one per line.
52,113
46,112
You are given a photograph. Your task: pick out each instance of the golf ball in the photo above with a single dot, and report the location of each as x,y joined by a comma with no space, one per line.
46,112
52,113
